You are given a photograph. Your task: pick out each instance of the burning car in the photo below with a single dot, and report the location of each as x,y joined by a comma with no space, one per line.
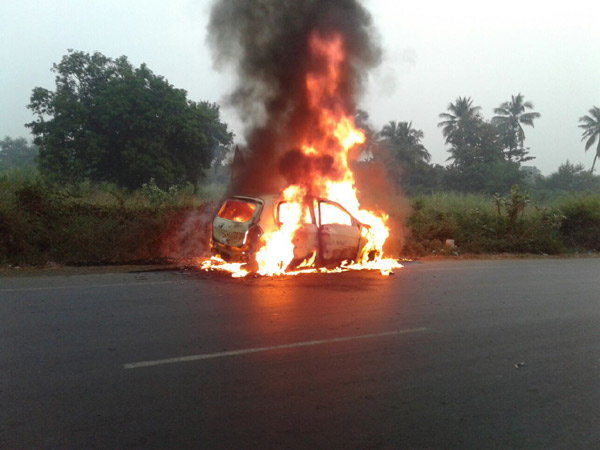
326,233
306,147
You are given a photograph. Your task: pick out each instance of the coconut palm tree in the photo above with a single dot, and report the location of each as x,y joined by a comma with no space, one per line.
460,113
405,141
591,131
509,118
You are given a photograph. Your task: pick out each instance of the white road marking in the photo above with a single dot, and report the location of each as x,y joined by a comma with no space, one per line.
45,288
160,362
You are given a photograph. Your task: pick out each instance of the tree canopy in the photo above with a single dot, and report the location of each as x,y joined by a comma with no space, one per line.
17,154
461,114
107,120
405,143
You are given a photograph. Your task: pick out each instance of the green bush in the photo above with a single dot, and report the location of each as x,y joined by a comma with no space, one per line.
429,228
580,227
482,232
481,224
40,223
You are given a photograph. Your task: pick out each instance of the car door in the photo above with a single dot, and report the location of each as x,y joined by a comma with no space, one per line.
339,232
305,238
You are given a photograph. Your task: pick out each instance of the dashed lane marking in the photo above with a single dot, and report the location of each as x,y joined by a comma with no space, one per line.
182,359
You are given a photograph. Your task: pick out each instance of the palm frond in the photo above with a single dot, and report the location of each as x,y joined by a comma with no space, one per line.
588,121
587,133
502,119
590,124
528,118
447,130
447,116
501,111
590,141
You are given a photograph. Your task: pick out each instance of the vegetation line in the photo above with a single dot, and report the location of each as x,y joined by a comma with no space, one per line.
123,167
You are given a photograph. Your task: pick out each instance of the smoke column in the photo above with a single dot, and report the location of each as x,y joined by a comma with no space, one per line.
267,43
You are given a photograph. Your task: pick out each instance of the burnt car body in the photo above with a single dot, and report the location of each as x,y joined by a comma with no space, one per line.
328,232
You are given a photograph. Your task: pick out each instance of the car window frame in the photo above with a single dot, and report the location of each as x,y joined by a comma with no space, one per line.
310,209
257,212
353,221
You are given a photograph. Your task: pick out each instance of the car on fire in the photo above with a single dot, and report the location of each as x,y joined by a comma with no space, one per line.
328,233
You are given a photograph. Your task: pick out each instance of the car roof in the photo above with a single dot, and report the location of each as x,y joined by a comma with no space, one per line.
272,196
257,198
268,199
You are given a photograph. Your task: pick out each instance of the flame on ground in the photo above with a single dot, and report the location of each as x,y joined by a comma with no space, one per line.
216,263
335,134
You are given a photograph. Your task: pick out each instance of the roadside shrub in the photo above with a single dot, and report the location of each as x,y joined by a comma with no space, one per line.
40,223
481,232
429,229
482,225
580,227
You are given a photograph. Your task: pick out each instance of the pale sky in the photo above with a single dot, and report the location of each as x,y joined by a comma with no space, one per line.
434,52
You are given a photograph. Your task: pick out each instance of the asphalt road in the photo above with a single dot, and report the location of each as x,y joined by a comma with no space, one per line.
442,354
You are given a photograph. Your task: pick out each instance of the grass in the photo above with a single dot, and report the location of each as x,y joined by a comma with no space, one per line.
448,202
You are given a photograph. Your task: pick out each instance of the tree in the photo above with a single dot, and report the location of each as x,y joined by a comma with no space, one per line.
476,151
475,142
405,143
571,178
109,121
462,114
398,147
17,154
591,131
510,117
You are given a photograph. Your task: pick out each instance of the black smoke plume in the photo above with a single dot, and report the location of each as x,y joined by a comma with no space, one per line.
267,42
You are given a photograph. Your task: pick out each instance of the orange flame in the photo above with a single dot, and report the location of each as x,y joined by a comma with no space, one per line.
336,135
278,250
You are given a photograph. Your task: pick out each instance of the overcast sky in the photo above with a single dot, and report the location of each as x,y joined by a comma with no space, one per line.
434,52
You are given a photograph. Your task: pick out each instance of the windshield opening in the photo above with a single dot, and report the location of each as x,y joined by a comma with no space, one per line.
237,210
